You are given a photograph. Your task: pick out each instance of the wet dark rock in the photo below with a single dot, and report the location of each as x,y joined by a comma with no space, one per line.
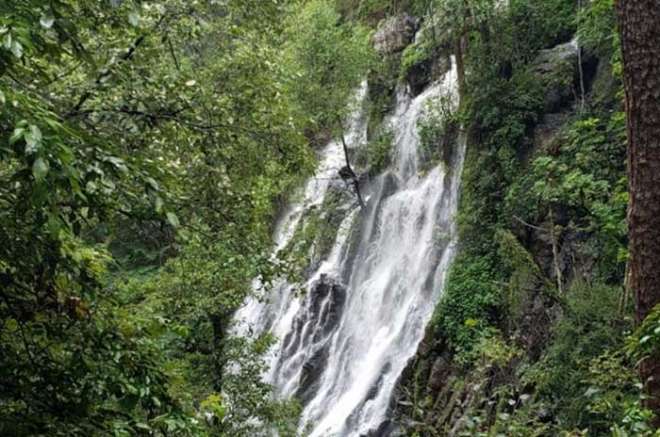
547,132
371,394
333,295
534,325
439,372
448,145
420,75
548,61
325,303
292,338
312,369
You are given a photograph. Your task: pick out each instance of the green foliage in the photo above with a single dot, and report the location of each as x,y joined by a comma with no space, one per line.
582,374
413,55
328,59
437,129
582,383
541,25
467,310
160,136
636,422
382,81
314,236
372,11
597,27
525,276
583,174
377,154
430,41
644,344
70,365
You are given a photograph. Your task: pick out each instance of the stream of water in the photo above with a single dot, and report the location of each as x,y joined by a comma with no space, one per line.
344,343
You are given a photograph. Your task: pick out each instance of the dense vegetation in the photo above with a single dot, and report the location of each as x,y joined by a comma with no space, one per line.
535,316
146,146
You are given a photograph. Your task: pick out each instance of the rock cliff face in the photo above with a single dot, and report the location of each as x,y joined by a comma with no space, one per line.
394,34
435,392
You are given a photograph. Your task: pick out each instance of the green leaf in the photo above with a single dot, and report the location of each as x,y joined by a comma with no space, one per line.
91,186
17,49
40,169
158,203
33,139
47,21
7,41
118,163
152,183
172,219
17,135
134,19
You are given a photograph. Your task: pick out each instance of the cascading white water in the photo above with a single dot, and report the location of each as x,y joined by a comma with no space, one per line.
344,344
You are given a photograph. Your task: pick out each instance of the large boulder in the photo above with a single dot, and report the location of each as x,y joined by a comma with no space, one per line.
549,61
556,67
395,33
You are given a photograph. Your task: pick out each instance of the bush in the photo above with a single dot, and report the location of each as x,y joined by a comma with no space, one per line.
582,373
469,305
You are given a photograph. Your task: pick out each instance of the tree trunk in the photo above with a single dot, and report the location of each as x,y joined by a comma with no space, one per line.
639,22
355,181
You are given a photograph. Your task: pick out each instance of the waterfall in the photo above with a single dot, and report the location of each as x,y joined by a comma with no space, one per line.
344,343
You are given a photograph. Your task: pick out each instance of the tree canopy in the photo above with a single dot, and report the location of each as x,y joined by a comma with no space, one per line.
144,147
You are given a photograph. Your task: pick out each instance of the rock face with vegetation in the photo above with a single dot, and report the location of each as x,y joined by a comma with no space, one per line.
530,335
394,34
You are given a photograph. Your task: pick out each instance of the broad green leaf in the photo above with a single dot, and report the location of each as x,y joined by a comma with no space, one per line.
134,18
7,41
47,21
17,135
158,203
33,139
17,49
118,163
40,169
172,219
152,183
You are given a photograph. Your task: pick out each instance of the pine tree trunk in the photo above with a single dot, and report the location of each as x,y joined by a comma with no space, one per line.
639,22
